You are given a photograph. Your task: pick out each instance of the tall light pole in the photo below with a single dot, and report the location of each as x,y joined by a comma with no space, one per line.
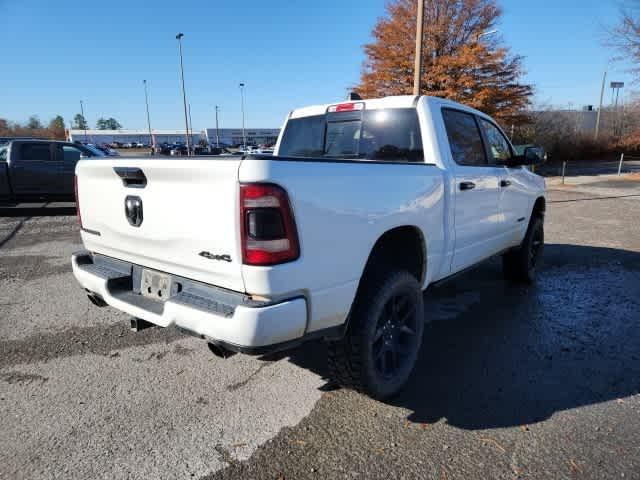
84,121
244,138
191,124
616,86
217,129
184,95
146,101
417,73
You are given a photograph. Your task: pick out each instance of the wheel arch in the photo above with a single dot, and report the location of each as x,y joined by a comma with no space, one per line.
539,207
404,246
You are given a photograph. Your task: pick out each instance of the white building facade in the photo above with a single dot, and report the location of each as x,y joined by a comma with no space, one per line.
233,136
227,136
99,137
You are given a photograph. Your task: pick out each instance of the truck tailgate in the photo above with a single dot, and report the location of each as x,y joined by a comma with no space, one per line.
190,224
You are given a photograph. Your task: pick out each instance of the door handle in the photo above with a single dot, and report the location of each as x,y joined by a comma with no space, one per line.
131,176
467,185
505,183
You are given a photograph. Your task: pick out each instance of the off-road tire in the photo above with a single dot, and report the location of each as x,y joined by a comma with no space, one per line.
351,359
520,265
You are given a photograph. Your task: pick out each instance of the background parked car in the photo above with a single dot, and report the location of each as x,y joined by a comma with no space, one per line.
178,149
107,150
35,169
5,140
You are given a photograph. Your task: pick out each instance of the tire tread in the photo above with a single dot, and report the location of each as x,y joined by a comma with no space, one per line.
345,355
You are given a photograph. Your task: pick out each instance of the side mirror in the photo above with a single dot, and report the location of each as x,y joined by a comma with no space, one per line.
532,156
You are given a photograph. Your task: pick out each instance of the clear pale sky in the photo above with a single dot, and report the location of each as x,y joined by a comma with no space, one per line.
289,53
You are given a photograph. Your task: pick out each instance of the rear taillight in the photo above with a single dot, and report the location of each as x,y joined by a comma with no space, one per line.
269,235
75,190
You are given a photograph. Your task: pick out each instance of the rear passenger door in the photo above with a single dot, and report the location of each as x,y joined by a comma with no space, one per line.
476,191
68,155
35,170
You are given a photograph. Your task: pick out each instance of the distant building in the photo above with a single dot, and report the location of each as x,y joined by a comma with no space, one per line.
128,136
228,136
584,120
233,136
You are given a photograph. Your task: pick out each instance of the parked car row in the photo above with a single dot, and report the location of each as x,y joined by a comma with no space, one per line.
129,145
106,149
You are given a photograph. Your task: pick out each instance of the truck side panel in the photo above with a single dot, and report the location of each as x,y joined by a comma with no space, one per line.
341,209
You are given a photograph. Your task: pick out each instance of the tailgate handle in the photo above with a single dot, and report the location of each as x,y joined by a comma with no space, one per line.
131,177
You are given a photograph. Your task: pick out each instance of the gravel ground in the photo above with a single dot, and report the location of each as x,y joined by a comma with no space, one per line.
540,382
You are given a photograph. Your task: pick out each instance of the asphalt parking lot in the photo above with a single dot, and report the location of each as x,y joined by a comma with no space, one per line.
513,382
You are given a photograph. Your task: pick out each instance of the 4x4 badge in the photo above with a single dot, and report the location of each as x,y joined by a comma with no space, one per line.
212,256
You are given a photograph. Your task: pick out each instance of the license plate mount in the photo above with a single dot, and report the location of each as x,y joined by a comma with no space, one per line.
155,285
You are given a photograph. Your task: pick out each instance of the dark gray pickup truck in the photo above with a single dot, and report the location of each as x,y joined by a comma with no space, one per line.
32,169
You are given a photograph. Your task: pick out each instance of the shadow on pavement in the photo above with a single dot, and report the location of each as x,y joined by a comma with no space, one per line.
37,210
496,355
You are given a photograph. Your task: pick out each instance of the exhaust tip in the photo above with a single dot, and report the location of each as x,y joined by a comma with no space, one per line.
96,299
138,324
220,351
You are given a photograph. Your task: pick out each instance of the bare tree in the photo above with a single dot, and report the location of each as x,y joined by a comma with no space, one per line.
625,36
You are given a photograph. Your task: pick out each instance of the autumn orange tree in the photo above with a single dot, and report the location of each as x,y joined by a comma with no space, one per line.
458,63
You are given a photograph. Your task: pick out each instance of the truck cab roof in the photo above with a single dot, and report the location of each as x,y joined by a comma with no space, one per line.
397,101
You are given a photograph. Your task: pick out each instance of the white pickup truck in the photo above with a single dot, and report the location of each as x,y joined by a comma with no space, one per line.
363,205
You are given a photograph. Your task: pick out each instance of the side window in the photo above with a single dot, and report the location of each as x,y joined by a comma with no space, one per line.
498,145
71,154
3,154
304,137
35,151
464,138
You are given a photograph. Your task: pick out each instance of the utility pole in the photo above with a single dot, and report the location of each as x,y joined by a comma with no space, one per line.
244,137
217,129
184,95
146,101
616,114
417,73
84,121
191,125
623,116
604,79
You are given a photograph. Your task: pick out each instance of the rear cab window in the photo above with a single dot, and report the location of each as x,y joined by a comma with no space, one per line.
390,135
